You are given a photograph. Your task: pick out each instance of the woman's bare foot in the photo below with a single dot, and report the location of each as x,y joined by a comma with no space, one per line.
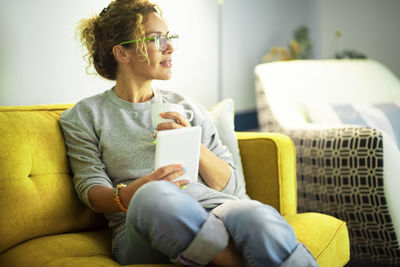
228,257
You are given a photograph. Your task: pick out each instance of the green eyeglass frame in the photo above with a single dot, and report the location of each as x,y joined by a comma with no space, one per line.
161,41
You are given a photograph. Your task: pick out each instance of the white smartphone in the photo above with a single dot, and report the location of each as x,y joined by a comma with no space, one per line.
180,146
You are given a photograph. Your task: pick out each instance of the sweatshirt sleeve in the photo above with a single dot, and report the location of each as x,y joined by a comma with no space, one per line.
85,159
212,141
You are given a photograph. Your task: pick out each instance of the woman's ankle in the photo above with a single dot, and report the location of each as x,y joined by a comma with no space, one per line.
228,257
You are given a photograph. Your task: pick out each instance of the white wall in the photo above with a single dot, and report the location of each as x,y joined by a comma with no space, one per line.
195,70
250,29
41,62
368,26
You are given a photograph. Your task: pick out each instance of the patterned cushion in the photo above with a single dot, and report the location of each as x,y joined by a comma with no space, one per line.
381,116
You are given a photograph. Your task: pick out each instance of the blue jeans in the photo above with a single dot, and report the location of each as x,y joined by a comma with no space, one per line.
165,225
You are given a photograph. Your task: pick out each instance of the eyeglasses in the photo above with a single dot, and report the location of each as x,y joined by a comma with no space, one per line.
161,41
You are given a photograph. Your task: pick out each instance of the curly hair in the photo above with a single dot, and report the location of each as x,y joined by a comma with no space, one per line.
122,20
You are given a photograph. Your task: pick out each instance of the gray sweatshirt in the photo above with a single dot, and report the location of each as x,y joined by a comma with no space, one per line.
109,141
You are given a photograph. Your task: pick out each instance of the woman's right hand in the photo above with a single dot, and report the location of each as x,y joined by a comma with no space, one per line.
168,173
102,197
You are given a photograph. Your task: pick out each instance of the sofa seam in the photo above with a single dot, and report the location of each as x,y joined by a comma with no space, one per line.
332,240
45,174
281,192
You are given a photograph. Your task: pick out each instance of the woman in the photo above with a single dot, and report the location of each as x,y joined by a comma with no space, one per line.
109,138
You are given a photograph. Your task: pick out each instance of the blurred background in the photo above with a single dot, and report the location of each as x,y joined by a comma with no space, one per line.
221,43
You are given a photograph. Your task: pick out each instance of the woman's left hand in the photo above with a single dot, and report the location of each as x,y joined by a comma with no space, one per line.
179,121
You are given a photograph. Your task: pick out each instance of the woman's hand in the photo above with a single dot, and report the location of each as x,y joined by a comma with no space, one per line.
102,197
168,173
179,121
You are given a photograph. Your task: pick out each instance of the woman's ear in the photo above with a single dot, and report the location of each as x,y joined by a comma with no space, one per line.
120,54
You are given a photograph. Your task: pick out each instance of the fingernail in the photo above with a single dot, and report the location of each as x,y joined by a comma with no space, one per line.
154,142
162,114
183,186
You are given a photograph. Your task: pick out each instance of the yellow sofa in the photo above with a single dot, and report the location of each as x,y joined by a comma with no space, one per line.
42,222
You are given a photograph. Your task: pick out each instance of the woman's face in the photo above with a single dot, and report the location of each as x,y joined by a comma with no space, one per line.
160,62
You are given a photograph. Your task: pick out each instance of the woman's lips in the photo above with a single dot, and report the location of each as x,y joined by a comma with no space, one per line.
166,63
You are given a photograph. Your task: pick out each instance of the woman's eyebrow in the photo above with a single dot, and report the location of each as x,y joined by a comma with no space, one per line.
156,32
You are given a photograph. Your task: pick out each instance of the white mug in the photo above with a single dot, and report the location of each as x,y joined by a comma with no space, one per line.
157,108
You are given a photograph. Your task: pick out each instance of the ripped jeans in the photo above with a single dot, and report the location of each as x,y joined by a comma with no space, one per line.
164,225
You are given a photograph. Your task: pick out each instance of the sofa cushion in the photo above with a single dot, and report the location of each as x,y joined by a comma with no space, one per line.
89,249
223,115
43,251
325,236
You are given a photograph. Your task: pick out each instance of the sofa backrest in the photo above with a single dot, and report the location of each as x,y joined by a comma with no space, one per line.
37,196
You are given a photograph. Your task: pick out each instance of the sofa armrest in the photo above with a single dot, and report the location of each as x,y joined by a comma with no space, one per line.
269,167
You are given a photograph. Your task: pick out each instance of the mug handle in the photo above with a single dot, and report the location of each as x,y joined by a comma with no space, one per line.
189,115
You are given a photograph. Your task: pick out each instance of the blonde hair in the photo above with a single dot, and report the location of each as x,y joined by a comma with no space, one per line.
122,20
